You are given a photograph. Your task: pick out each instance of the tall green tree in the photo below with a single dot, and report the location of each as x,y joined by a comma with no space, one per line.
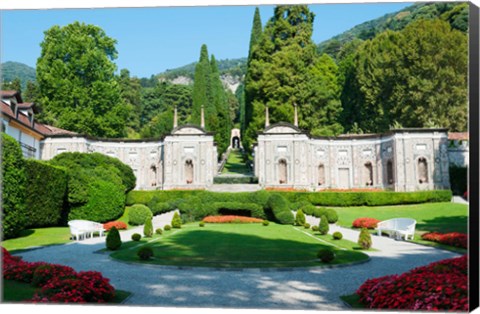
246,106
416,77
131,93
220,100
201,91
78,90
286,70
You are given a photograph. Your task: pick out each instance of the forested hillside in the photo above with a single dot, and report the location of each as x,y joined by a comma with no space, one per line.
456,14
405,69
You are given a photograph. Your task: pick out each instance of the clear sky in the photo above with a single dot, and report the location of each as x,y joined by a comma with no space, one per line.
152,40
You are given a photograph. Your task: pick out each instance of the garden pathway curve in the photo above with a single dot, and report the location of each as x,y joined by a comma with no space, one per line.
301,289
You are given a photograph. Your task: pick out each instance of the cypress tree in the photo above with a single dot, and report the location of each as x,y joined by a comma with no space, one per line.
246,108
223,121
201,87
148,228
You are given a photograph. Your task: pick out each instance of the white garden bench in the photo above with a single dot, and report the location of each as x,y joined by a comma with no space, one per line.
83,228
398,227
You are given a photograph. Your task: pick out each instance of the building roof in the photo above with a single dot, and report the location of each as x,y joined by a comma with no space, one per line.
23,119
458,136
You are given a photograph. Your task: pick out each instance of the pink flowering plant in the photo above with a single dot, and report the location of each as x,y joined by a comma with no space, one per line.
58,283
439,286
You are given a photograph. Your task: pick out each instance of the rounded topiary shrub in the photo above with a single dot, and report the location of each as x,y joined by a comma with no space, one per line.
306,225
265,222
201,224
315,228
136,236
167,227
176,221
113,241
138,214
148,228
300,218
332,215
145,253
365,239
326,255
158,231
337,235
323,225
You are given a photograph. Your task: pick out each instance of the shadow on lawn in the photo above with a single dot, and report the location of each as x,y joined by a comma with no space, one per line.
444,224
297,289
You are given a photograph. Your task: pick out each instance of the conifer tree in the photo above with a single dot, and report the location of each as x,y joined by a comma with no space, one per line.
246,108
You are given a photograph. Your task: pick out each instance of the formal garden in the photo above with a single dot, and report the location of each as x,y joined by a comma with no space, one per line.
271,230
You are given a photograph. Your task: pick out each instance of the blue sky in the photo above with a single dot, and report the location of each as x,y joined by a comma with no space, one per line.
151,40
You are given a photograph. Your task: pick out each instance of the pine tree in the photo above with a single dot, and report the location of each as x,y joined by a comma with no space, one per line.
219,97
176,221
113,240
300,218
285,70
364,239
201,91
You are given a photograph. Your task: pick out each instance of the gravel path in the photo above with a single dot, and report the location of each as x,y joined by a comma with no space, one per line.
301,289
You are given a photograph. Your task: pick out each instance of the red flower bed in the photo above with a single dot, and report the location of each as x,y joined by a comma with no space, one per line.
117,224
354,190
453,238
230,219
365,222
438,286
58,283
84,287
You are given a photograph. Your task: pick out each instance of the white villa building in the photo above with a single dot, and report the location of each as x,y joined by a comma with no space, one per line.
284,155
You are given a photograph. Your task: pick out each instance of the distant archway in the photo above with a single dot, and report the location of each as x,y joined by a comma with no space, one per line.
282,171
189,171
235,142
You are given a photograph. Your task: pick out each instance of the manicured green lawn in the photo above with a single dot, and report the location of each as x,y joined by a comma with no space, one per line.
235,164
15,291
38,237
441,217
236,245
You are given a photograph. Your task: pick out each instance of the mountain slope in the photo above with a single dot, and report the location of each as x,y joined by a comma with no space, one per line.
454,13
12,70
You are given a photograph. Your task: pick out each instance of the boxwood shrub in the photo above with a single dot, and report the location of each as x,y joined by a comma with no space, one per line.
47,186
96,185
280,209
138,214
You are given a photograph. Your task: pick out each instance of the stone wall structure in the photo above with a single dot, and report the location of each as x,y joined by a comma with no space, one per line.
401,160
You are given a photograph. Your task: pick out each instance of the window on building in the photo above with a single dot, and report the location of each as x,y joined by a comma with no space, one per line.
189,171
422,170
282,171
368,174
390,178
321,174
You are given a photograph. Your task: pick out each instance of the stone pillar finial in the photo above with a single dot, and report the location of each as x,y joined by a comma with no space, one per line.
175,117
202,118
267,117
295,118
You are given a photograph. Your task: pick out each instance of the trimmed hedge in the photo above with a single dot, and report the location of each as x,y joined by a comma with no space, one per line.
46,197
106,202
14,179
297,199
280,209
235,180
96,185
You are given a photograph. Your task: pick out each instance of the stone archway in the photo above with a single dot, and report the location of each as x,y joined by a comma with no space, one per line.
235,139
